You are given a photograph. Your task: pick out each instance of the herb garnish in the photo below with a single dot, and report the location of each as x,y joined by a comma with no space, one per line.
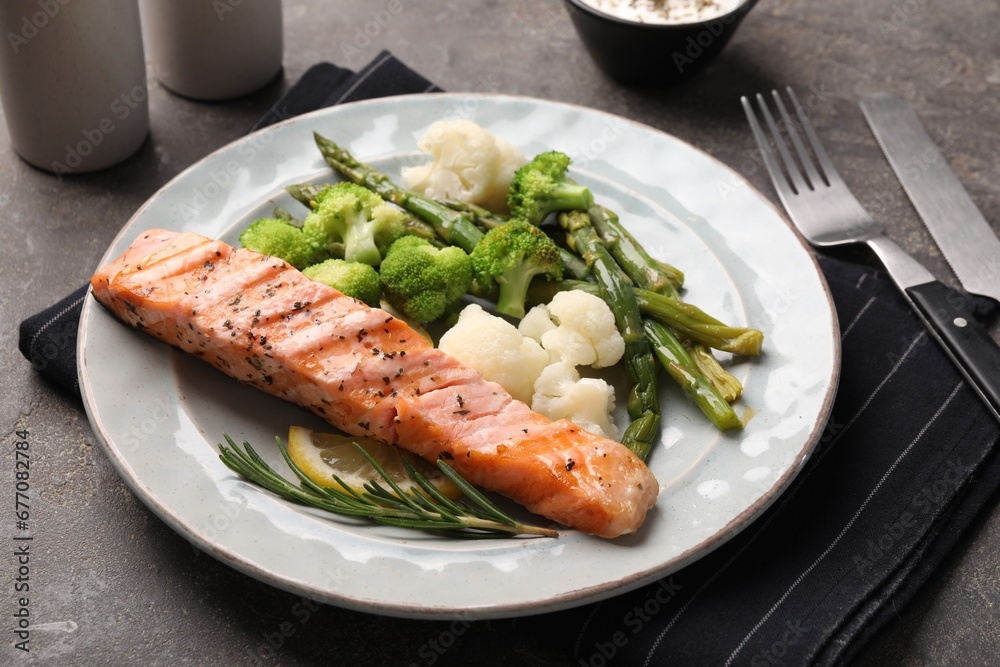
425,508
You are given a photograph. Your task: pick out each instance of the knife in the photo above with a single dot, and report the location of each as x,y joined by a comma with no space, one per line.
964,236
961,232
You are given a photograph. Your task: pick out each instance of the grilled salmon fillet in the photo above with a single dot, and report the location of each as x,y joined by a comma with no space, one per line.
259,320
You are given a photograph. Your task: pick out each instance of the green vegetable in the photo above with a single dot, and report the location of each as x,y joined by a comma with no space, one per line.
424,509
724,382
454,227
455,223
278,238
422,281
283,214
308,193
356,216
511,255
645,271
700,327
643,402
486,220
541,187
683,369
354,279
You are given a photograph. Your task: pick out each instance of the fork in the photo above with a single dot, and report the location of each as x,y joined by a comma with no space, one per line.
826,213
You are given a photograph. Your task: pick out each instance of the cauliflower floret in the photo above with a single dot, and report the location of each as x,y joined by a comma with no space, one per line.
494,347
469,163
584,331
560,393
569,345
536,361
536,322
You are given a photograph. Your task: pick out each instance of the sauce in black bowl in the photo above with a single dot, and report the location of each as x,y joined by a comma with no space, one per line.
638,50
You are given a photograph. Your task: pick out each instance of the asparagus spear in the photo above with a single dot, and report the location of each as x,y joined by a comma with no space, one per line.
645,271
679,364
283,214
693,323
484,218
454,227
615,288
305,193
661,279
728,386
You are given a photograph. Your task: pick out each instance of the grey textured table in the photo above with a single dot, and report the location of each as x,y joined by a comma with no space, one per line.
111,584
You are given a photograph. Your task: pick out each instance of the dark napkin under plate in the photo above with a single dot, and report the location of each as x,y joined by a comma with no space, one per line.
906,463
326,85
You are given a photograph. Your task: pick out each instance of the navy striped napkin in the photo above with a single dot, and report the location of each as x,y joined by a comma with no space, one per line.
907,462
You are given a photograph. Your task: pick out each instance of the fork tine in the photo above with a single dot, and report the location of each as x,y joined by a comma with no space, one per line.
804,159
767,152
791,168
830,173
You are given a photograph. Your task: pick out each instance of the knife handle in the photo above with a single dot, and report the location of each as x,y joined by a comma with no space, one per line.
965,339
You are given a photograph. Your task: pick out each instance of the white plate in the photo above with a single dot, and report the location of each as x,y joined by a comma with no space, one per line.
159,413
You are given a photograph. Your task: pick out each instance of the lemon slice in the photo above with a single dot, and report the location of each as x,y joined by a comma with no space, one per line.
322,455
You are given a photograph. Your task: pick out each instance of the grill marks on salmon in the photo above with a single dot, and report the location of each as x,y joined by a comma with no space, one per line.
262,322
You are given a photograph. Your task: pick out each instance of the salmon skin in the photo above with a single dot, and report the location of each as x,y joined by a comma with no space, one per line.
261,321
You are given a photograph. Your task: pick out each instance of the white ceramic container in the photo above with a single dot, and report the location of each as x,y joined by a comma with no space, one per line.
213,50
73,82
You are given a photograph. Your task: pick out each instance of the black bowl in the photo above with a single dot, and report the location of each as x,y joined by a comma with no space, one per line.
652,53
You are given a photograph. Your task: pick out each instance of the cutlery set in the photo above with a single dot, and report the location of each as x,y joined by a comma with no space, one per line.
826,213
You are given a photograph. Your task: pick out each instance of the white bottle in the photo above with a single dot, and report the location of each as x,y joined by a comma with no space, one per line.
213,50
73,82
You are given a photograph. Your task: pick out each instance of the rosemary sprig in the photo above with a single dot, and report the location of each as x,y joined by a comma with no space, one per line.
425,508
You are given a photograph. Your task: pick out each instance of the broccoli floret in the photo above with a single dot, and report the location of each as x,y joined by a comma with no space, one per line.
422,281
510,256
354,279
540,187
275,237
357,217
